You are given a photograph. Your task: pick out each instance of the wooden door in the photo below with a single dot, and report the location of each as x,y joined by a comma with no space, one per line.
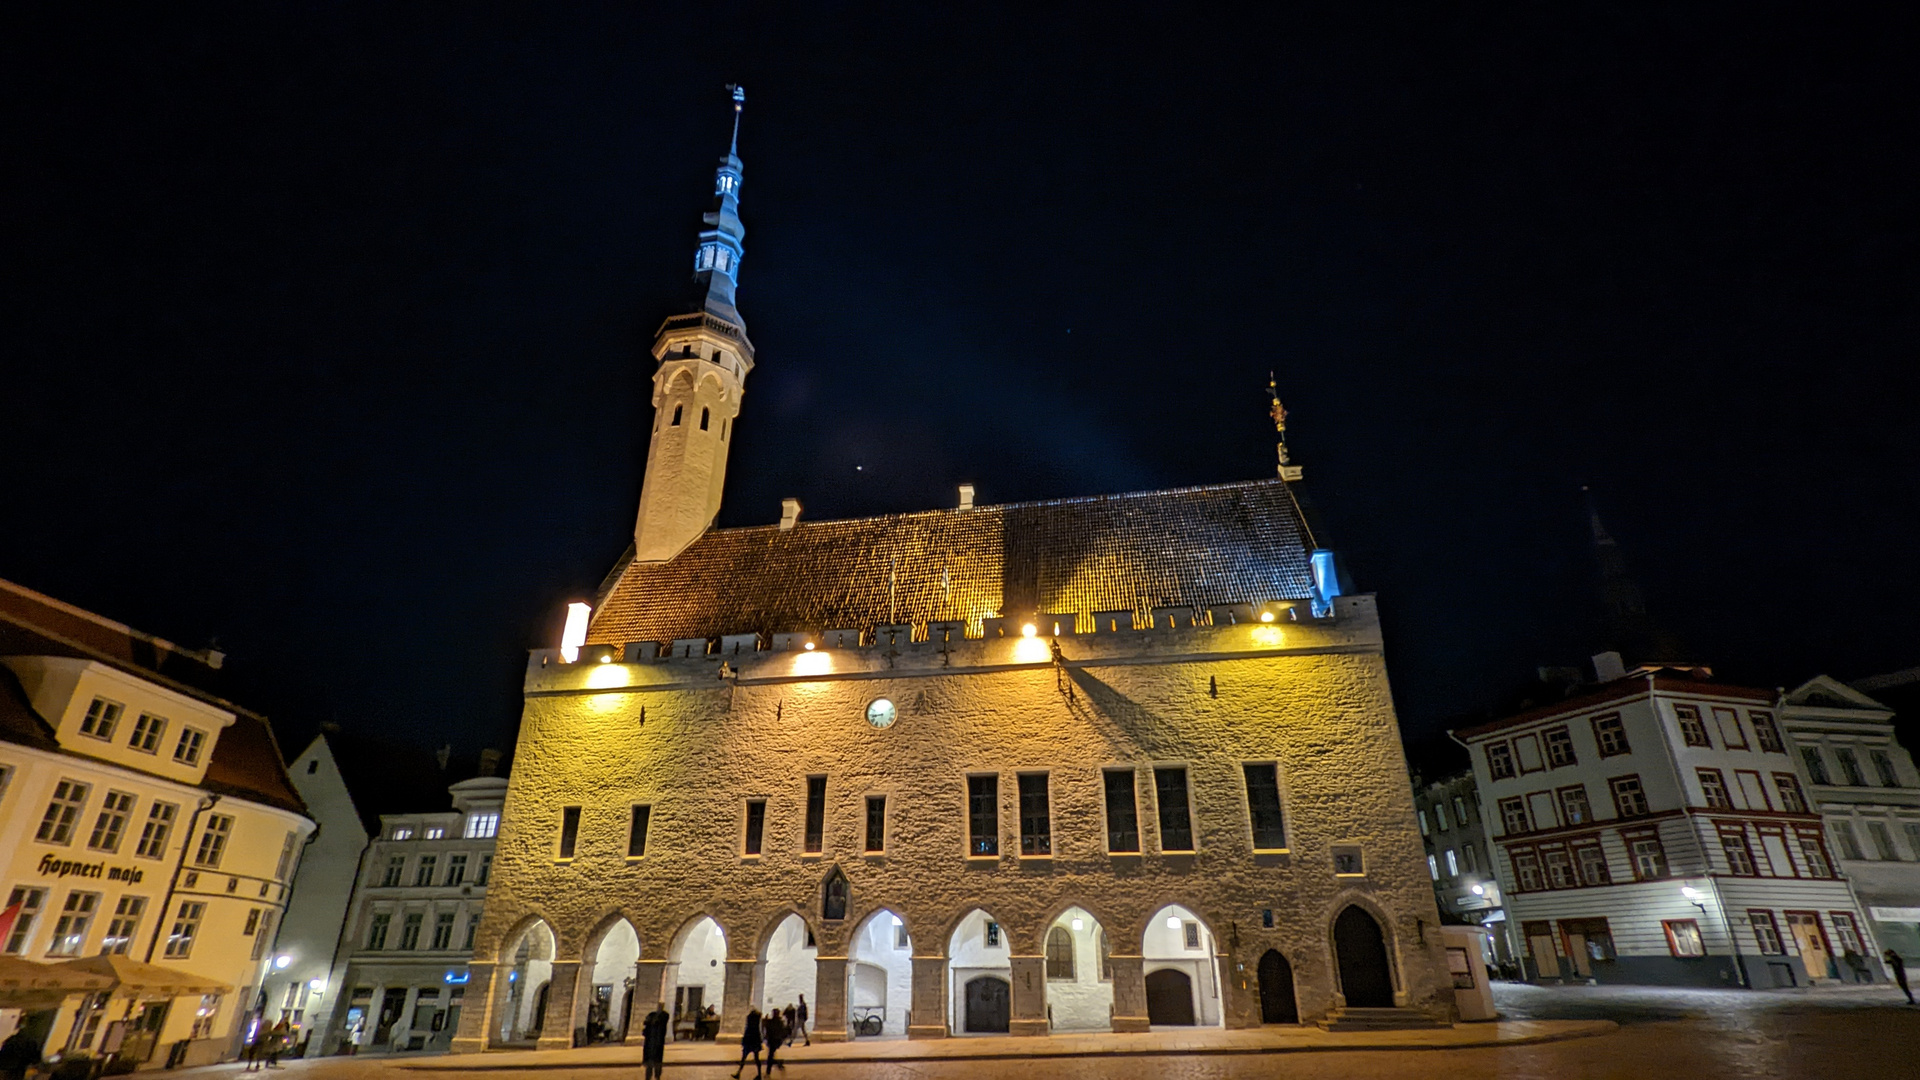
1812,942
1277,1005
1545,962
989,1004
1362,954
1170,998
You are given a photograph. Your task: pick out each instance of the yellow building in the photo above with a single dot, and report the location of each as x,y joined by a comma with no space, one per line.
1079,765
148,835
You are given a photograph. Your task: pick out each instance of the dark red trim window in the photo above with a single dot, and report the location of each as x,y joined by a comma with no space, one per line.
1611,735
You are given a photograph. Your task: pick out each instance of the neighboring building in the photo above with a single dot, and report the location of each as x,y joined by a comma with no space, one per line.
1459,859
147,831
301,990
1864,785
1083,764
1642,820
401,974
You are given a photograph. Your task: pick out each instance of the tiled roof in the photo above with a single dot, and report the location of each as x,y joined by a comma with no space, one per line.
246,761
1225,543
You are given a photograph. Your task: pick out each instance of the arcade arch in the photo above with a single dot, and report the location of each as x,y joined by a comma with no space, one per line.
879,976
979,977
789,967
1079,970
521,1005
1182,971
696,975
610,972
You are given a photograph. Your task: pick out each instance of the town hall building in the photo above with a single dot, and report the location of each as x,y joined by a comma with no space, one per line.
1088,764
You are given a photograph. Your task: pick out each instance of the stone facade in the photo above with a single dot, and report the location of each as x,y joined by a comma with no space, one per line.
695,742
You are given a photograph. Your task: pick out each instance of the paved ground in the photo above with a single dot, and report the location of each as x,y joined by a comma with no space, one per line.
1866,1034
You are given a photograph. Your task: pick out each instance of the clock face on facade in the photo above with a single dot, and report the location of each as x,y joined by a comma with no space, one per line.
880,713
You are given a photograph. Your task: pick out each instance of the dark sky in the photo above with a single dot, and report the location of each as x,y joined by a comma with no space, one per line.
325,324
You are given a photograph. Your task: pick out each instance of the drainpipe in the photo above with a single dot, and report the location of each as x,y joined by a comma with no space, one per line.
180,864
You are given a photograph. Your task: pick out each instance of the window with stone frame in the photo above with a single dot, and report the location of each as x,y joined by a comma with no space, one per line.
569,831
1629,797
1176,817
1500,761
377,930
410,930
1559,747
1574,808
423,873
876,840
1766,733
396,866
1123,816
456,869
1513,816
1733,842
1766,933
486,869
1883,767
1791,799
1592,860
1036,816
639,817
756,826
443,930
1850,773
1816,763
983,816
814,833
1263,806
1713,788
1693,731
1610,734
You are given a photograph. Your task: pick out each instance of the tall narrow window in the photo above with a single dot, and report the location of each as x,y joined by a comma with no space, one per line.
76,918
396,866
704,413
56,825
29,899
423,873
1765,732
486,869
124,925
816,814
153,835
456,869
410,931
1882,840
186,927
637,830
377,930
676,415
1036,817
1883,766
1816,764
213,842
569,830
1713,787
1263,807
756,825
1123,822
876,823
1176,818
1766,932
1850,773
1791,798
112,822
1060,954
983,815
286,857
443,930
1693,730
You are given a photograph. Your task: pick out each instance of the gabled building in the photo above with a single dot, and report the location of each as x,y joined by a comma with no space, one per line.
1460,858
148,833
1863,783
1657,828
1082,764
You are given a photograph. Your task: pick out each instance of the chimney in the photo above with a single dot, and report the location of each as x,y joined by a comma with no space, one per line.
789,513
1608,666
489,762
966,496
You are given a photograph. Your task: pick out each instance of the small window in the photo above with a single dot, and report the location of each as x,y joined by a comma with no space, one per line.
1349,860
1610,735
992,935
1593,864
1713,788
63,811
396,866
1559,868
434,832
456,869
1883,766
154,834
876,824
1765,732
1471,856
1453,863
1791,800
756,826
1499,760
1766,932
1060,955
1849,767
705,413
124,926
1190,934
637,830
1036,817
1526,871
443,930
410,931
1433,867
983,816
1629,798
1123,823
423,873
816,814
76,918
1692,730
186,927
148,729
1263,807
1176,818
1649,858
1513,815
285,864
482,825
1731,736
403,832
213,842
187,750
1425,829
486,869
102,717
677,408
569,830
111,825
1683,937
1559,748
1848,932
1460,809
377,931
1815,852
1882,840
1816,763
1574,808
1440,817
1733,843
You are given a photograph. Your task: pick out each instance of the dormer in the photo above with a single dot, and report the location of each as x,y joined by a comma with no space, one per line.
102,712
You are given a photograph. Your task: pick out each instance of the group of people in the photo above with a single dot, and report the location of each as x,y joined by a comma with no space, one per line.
772,1030
270,1043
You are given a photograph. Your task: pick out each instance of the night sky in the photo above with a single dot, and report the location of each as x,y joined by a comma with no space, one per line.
325,324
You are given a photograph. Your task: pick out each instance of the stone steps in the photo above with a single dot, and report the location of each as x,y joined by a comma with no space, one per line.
1379,1020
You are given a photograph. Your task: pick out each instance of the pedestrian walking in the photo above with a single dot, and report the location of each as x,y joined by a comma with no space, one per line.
800,1020
750,1044
788,1015
653,1042
277,1041
774,1029
256,1046
1899,970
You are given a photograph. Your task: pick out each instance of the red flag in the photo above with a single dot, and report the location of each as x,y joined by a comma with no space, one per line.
7,919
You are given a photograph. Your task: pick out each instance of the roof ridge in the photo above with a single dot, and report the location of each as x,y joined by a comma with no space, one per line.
102,621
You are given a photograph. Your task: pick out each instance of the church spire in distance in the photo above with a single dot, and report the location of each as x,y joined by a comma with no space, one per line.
704,357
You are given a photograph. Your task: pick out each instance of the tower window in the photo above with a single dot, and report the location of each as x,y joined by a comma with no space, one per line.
703,419
686,350
723,431
718,356
676,415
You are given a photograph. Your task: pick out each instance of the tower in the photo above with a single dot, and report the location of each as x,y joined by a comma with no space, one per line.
703,359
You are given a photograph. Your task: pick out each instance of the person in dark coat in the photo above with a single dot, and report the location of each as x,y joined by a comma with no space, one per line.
1898,969
22,1052
750,1044
774,1030
653,1042
800,1020
788,1016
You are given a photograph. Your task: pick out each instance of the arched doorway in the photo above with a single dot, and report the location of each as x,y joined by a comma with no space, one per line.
989,1005
1079,973
1170,998
528,961
1276,990
978,949
1361,950
879,977
697,976
790,963
1177,941
609,1004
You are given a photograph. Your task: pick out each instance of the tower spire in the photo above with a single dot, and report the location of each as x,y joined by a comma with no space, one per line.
739,103
1288,470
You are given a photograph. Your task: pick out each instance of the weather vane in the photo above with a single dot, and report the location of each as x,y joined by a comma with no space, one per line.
739,102
1288,470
